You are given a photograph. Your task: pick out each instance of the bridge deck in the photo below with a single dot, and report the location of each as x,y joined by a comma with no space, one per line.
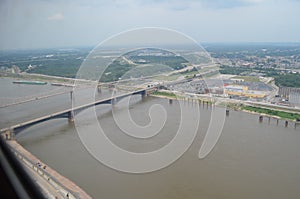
65,113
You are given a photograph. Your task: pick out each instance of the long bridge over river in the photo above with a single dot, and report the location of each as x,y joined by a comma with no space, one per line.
71,112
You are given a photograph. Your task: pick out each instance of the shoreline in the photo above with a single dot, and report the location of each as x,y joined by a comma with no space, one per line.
233,106
41,77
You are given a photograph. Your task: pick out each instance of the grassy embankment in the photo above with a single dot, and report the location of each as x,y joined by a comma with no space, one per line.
281,114
248,78
37,77
164,94
172,77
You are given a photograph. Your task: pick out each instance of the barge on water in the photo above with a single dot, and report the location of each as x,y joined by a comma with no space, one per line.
30,82
61,84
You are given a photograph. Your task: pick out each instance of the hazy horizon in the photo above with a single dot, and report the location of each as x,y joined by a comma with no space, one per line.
53,24
204,44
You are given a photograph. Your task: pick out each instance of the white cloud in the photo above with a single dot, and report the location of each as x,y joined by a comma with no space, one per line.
56,17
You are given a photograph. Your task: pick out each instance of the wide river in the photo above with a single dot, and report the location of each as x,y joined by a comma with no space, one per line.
250,159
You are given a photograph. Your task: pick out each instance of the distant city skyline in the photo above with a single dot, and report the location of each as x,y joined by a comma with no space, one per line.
55,23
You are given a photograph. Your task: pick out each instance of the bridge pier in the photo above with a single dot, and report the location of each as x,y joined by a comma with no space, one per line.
261,118
144,94
99,89
113,101
71,116
71,95
286,123
227,112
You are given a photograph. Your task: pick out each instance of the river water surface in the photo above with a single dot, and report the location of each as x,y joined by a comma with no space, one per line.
250,160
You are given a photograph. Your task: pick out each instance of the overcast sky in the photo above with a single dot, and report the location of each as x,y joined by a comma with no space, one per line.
63,23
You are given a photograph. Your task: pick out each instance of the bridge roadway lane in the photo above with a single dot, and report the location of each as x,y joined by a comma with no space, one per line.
13,115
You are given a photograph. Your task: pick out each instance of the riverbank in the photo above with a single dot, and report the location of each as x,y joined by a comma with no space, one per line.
270,112
46,78
292,116
61,184
171,95
164,94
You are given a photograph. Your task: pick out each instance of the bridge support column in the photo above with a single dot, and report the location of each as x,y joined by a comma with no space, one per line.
227,112
99,89
144,93
113,101
71,116
71,96
261,118
286,123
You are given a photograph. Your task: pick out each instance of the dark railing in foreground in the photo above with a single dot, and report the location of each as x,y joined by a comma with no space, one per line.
21,183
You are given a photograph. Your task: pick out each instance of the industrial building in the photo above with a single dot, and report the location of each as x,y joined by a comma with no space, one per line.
294,97
289,93
243,91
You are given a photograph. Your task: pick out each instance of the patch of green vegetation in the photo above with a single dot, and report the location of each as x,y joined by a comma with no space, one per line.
144,65
166,94
233,70
146,70
248,78
58,69
204,69
281,77
115,71
211,74
37,77
288,80
174,62
282,114
230,105
168,78
190,73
